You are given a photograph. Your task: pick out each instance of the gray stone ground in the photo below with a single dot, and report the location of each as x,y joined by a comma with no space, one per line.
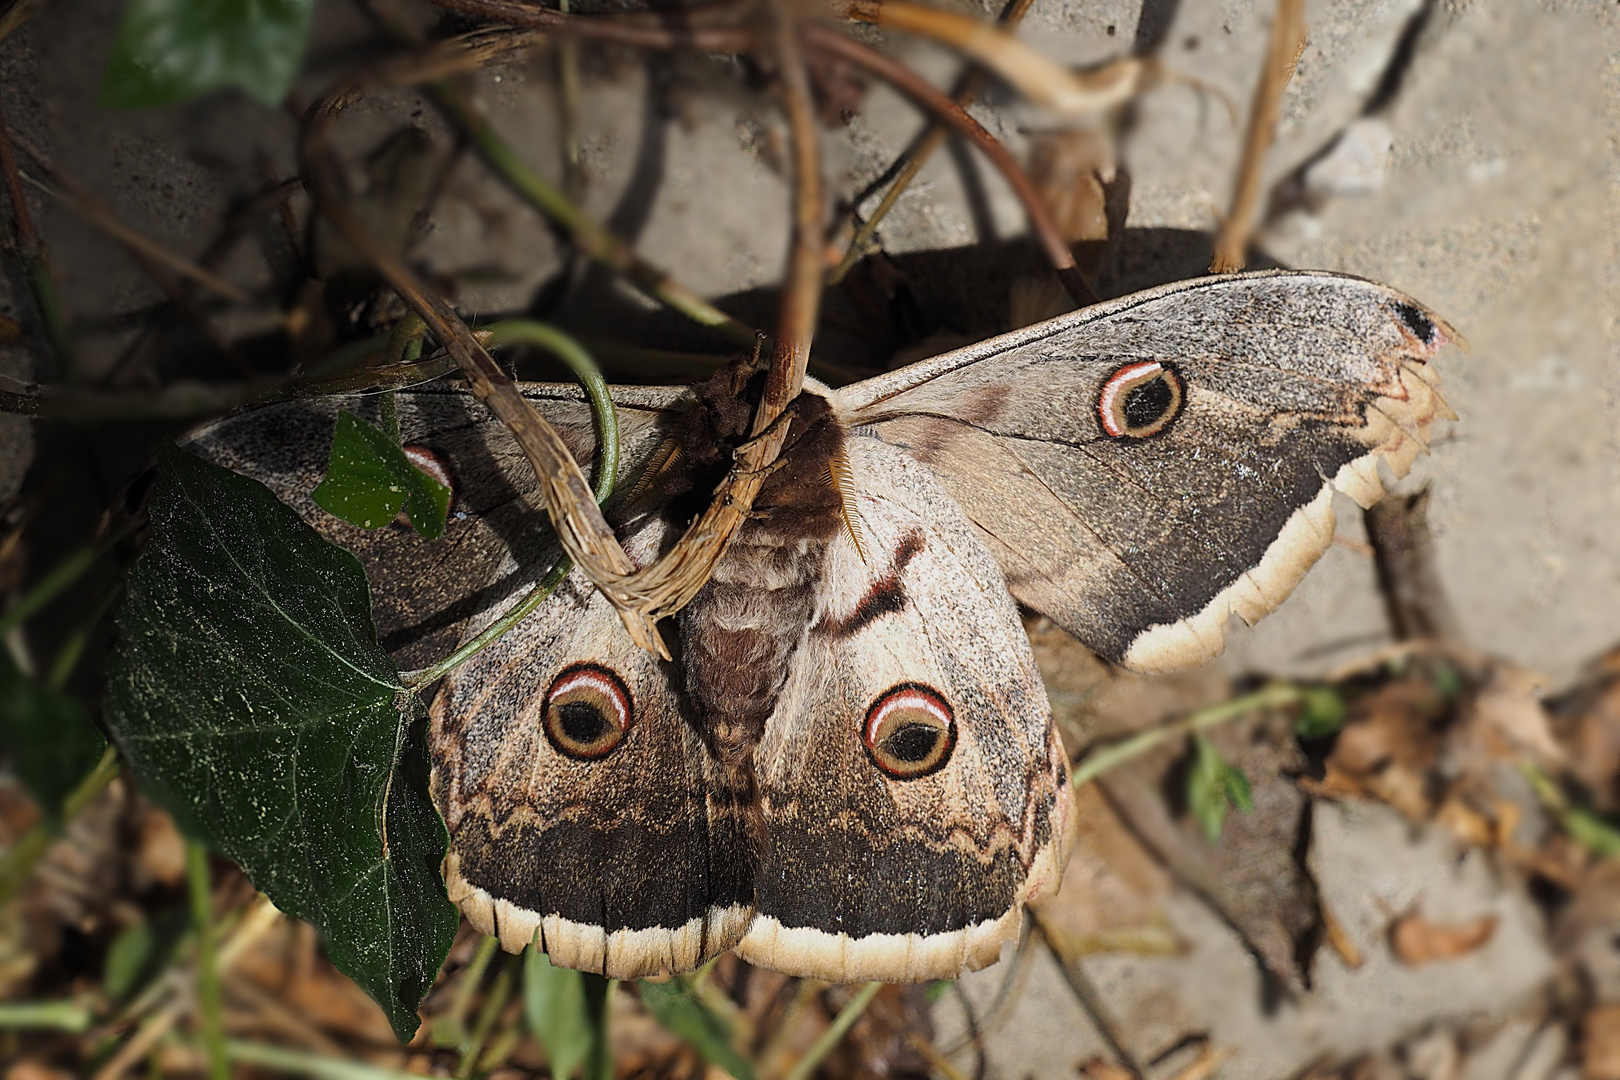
1495,202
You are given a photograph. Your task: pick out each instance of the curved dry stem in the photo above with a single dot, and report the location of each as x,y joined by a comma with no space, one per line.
644,596
831,42
710,28
582,531
1282,53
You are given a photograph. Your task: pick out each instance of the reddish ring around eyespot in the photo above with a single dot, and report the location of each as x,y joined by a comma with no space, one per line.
587,712
909,731
1140,399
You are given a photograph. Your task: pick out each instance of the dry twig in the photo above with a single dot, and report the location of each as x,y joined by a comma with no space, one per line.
1282,53
831,42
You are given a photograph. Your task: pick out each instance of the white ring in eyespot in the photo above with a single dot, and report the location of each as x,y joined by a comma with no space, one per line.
1114,402
589,693
898,715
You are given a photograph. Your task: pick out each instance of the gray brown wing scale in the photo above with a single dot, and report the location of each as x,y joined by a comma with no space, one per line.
1147,467
913,786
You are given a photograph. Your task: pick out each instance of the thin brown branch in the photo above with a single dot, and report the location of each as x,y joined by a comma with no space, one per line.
968,88
188,400
703,29
1282,53
580,527
76,197
801,291
28,241
1408,577
35,259
829,41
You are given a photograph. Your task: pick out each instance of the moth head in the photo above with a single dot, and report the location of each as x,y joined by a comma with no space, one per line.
1140,399
587,712
909,732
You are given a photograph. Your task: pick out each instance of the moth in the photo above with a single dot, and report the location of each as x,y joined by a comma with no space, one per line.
849,770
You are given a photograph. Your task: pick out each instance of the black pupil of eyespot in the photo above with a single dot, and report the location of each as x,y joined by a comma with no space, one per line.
913,743
1146,402
1416,321
581,722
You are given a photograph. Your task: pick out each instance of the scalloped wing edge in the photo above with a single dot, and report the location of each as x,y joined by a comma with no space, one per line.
1397,428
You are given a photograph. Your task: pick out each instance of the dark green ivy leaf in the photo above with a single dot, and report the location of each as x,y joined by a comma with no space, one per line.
686,1017
251,699
1214,787
370,478
170,50
47,735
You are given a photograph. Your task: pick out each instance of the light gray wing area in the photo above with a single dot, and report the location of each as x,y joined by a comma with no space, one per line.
1142,546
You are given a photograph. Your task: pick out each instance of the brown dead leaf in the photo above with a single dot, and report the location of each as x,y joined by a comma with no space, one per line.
1507,721
1466,823
1600,1044
1112,891
34,1070
1589,724
1417,941
160,851
10,330
1388,746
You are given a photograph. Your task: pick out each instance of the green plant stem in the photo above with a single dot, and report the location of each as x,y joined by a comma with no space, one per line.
61,576
470,978
830,1038
18,861
599,1063
49,587
303,1063
593,239
210,1009
606,418
572,353
408,329
1600,837
498,996
67,657
390,416
51,313
55,1015
1106,758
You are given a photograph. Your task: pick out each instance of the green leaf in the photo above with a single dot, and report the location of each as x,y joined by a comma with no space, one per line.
686,1017
1237,789
370,478
1214,787
251,700
554,1005
127,957
937,989
1323,713
1592,832
47,735
170,50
